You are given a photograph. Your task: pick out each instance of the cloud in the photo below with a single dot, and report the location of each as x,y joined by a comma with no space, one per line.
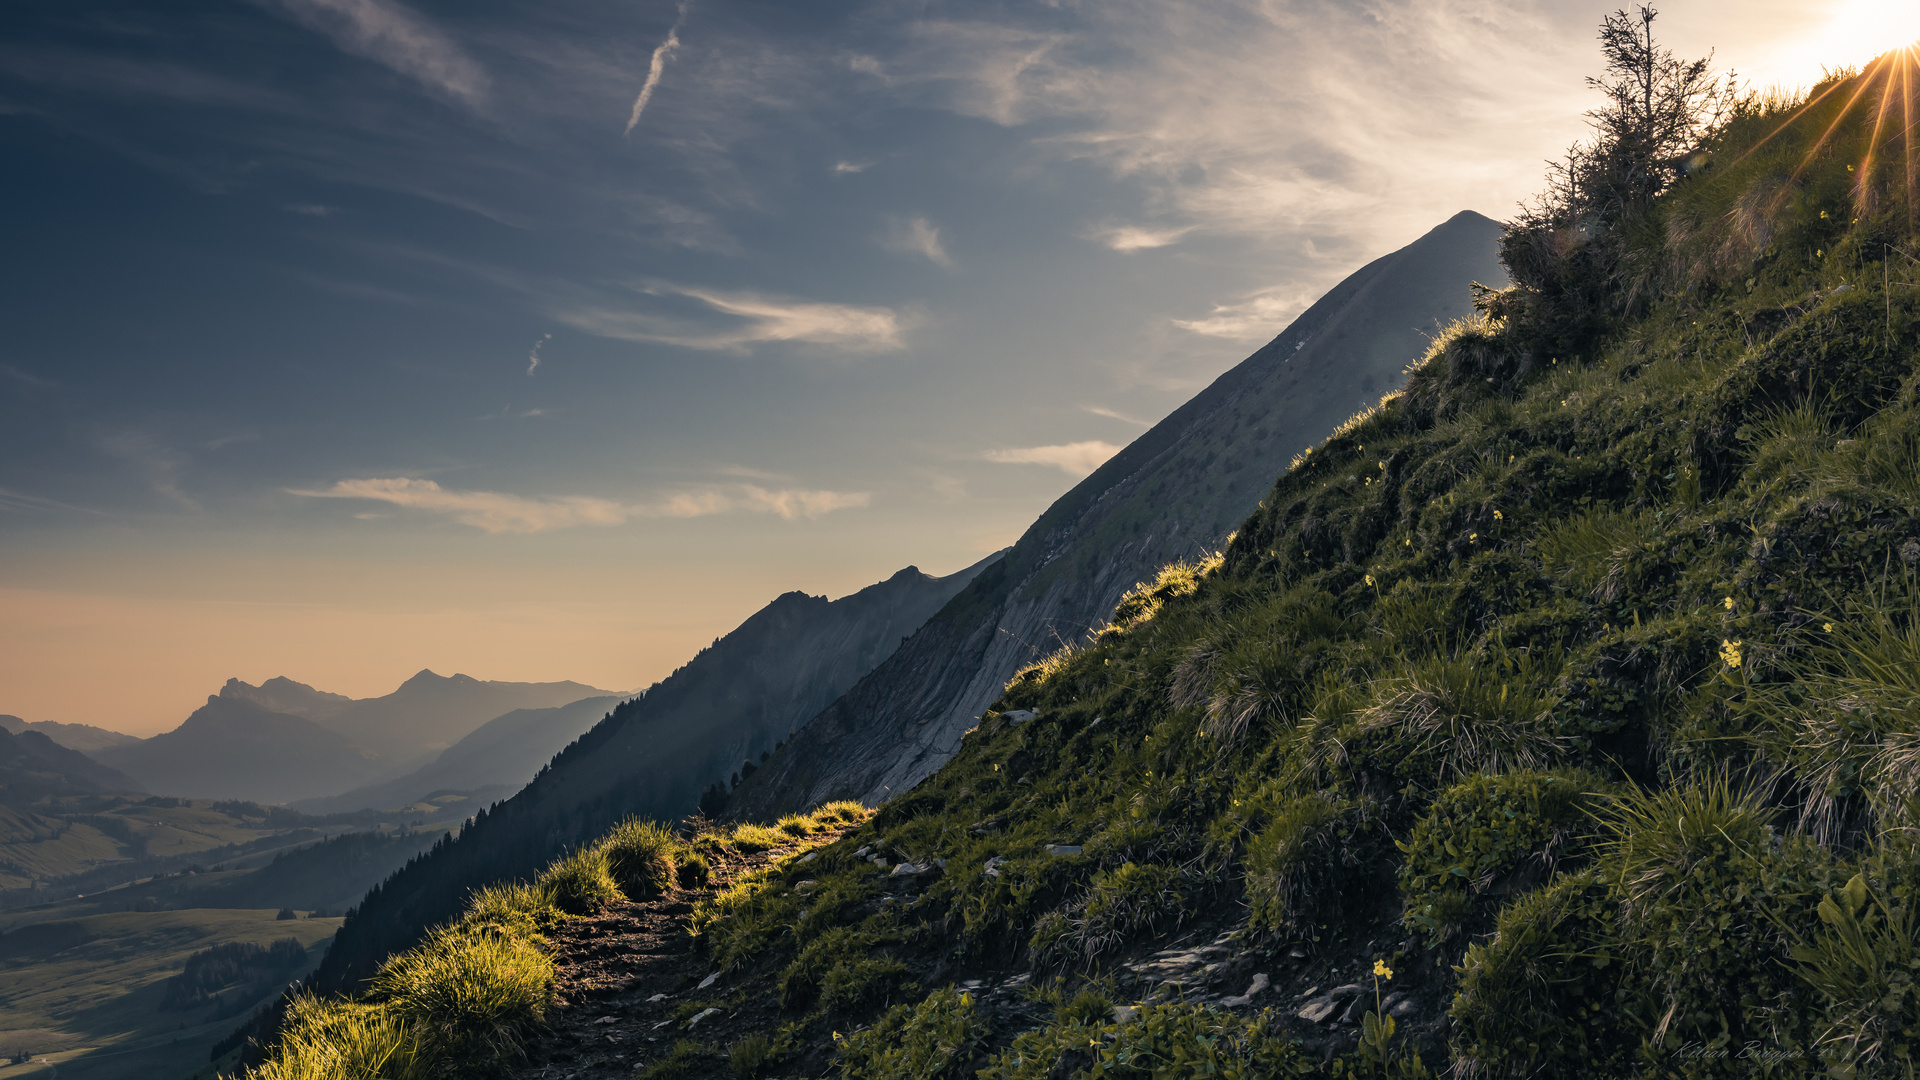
1075,459
655,69
1256,318
19,501
391,35
842,168
1138,237
311,209
916,236
533,357
27,377
158,465
755,319
1102,410
497,512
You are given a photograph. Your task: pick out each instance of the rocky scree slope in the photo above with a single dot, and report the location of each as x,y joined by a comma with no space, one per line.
1175,491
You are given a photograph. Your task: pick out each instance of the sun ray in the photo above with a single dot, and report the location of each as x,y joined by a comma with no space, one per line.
1863,193
1788,122
1865,79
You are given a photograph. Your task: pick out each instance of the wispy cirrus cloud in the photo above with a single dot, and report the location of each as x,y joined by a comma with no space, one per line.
501,512
1075,459
916,236
655,69
1255,318
751,319
397,38
1138,237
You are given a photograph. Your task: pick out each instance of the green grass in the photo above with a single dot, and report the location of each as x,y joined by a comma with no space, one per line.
86,992
466,1000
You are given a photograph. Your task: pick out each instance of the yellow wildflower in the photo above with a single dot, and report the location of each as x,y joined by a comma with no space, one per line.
1497,516
1369,579
1728,602
1381,969
1730,653
1828,627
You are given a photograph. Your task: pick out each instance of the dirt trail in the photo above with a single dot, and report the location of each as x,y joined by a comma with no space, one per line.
628,975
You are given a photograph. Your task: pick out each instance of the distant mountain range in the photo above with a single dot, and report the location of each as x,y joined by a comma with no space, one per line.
284,741
33,766
652,755
1174,492
502,755
82,737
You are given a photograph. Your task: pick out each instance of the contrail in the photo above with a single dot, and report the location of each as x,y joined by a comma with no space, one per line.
654,70
533,358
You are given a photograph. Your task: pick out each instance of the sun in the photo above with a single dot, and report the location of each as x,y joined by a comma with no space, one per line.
1853,32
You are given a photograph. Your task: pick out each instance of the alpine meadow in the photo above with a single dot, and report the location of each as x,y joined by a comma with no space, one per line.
1556,716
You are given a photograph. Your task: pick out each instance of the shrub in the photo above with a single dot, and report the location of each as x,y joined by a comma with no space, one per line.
323,1039
1863,963
1176,1042
925,1041
855,984
750,1055
686,1056
1306,859
470,1000
581,883
1489,835
1116,906
515,910
640,855
1449,718
691,869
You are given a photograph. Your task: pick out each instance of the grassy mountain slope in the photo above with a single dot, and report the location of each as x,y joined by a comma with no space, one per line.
1559,716
1176,490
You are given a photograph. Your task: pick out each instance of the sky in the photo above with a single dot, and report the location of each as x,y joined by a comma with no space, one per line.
345,338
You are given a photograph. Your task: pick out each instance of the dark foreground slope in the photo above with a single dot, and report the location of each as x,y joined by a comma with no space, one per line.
1175,491
652,756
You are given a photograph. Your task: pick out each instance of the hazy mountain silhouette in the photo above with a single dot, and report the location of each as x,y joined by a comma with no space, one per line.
33,766
1174,492
234,749
652,755
504,752
82,737
429,713
282,695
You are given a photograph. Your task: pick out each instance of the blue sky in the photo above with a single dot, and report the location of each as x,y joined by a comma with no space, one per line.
347,337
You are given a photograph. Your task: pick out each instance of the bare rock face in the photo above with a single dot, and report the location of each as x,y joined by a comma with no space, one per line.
1176,492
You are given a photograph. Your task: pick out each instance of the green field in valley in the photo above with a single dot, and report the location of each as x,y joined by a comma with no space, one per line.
86,993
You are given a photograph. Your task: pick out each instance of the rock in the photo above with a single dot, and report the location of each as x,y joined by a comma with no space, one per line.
1016,717
1317,1012
809,857
709,981
607,1020
905,869
656,997
1260,982
699,1016
993,866
1124,1013
1064,849
863,852
1404,1009
806,886
1298,952
1346,991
